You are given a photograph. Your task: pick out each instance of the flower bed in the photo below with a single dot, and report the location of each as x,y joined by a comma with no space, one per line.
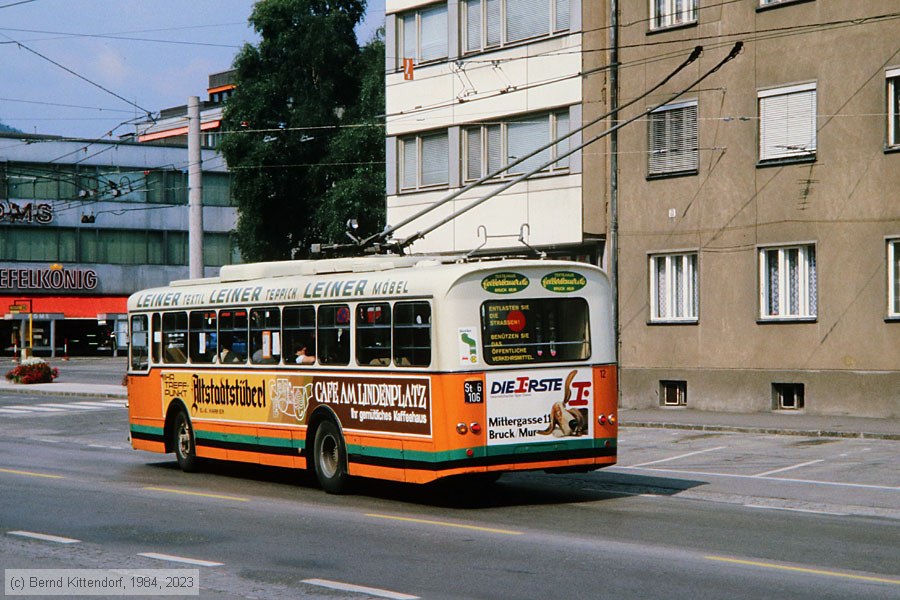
33,370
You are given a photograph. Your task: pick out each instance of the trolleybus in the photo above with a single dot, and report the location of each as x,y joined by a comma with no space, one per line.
402,368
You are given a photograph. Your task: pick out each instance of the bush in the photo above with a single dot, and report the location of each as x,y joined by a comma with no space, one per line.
32,370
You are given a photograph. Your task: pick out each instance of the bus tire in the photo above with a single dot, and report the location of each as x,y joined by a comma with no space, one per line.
330,458
184,444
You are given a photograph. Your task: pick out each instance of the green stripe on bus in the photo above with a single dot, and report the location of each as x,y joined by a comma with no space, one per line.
480,451
147,429
249,440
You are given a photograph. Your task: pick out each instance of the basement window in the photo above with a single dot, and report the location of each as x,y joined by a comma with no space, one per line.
787,396
673,393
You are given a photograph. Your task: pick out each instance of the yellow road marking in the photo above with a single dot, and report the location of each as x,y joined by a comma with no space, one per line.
445,524
202,494
765,565
31,474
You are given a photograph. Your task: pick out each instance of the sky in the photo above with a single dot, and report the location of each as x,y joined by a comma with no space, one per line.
82,68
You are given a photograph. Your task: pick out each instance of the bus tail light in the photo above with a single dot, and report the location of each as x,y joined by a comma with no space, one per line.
607,420
462,428
602,419
475,428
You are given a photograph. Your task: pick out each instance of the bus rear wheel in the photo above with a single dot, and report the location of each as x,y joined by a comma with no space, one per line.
184,444
330,458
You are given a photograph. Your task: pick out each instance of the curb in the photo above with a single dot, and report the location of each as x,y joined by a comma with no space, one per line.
765,430
72,394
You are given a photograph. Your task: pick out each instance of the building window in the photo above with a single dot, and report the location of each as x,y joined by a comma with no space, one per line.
673,393
491,146
669,13
893,107
788,285
424,161
893,278
674,287
422,35
672,140
787,123
493,23
787,396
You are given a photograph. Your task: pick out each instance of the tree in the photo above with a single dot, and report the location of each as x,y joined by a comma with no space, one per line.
354,166
291,90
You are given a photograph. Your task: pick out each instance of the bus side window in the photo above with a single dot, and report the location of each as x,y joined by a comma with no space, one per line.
373,334
412,334
202,338
156,332
299,335
265,336
174,334
232,336
333,335
140,343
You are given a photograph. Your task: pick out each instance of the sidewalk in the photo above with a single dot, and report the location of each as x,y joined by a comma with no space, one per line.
62,388
765,423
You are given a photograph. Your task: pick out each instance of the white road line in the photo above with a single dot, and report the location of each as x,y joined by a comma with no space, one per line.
656,462
863,486
44,537
349,587
180,559
801,510
93,404
38,408
14,411
792,467
72,405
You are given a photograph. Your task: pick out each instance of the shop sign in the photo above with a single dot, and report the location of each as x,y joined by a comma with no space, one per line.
504,283
41,213
563,281
53,277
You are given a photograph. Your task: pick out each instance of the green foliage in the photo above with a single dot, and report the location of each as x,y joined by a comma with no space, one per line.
293,92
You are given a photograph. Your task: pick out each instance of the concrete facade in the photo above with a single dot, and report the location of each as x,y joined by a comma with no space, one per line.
818,219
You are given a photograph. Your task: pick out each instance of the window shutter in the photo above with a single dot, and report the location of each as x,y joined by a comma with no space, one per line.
473,153
410,164
435,160
473,25
434,33
494,23
525,136
408,43
562,15
672,140
562,128
527,18
787,124
494,148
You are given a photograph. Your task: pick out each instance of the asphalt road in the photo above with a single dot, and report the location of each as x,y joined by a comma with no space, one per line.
683,515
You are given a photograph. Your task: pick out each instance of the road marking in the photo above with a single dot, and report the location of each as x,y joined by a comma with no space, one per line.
792,467
38,408
444,524
202,494
180,559
13,411
656,462
44,537
93,404
863,486
801,510
765,565
71,405
31,474
349,587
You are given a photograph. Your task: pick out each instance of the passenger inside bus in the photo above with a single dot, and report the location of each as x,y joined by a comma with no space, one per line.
226,355
303,356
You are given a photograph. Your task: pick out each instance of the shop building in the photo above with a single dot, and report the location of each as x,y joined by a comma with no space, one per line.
84,224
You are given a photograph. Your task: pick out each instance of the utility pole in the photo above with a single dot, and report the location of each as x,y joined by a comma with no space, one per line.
195,191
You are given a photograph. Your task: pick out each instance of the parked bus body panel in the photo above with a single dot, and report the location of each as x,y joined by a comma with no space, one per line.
456,293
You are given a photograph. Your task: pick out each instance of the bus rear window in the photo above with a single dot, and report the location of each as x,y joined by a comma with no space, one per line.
540,330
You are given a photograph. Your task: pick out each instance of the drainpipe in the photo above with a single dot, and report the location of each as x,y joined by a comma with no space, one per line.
613,260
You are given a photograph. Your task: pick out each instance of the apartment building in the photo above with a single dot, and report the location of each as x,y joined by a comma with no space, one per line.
759,264
473,85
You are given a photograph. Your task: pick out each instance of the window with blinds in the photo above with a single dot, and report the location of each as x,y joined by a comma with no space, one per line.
788,282
423,35
424,161
674,287
490,146
787,123
671,13
893,107
893,278
672,140
492,23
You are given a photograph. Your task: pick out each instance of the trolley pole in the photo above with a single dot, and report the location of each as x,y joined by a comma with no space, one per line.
195,191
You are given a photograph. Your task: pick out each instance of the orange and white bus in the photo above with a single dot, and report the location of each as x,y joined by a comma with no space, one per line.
394,367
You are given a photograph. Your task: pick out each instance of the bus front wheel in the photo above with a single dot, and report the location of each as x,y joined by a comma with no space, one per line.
184,443
330,458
